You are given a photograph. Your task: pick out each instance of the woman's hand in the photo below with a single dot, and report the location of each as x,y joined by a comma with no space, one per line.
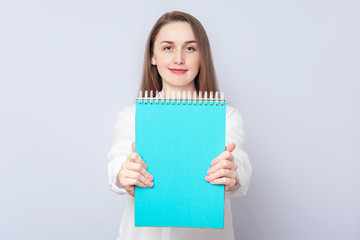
223,170
133,172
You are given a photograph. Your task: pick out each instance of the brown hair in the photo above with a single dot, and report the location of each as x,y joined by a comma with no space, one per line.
205,80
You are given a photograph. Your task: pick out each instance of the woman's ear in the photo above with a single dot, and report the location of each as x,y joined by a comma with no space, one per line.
153,60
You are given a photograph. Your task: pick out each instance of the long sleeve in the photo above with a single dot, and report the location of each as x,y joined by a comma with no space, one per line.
124,135
235,134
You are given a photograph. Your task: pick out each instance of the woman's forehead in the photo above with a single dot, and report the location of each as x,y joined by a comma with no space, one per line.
176,32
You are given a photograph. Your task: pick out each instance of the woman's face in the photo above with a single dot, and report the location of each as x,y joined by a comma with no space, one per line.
176,56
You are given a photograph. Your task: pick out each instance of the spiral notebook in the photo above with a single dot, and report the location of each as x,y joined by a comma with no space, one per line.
178,137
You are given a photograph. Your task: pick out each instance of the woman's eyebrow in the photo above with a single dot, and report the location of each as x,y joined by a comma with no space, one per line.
170,42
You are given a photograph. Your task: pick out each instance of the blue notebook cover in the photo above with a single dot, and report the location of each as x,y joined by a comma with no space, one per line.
178,139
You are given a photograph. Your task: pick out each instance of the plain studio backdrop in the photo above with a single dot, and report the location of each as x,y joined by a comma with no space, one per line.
292,68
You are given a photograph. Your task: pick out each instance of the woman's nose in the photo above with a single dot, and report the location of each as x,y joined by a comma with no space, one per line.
179,58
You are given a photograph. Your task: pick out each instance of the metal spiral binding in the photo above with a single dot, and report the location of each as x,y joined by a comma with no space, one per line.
189,99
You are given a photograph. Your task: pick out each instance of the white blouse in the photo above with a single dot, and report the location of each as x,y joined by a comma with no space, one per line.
124,135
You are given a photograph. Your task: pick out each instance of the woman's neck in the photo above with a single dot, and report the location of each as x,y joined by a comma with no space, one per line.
169,89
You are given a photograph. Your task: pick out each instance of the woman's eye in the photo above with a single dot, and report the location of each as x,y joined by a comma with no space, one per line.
190,49
167,48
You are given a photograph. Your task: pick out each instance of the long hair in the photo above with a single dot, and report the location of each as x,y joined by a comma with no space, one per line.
205,80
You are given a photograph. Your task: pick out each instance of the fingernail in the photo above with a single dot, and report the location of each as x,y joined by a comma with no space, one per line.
207,178
209,171
150,184
149,177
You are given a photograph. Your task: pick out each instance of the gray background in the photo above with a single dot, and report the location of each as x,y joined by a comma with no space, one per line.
290,67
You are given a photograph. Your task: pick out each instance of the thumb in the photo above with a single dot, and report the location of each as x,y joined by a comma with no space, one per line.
133,147
230,147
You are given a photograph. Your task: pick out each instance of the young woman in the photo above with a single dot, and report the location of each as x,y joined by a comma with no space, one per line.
177,58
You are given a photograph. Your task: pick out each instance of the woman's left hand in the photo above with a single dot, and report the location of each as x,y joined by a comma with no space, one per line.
223,170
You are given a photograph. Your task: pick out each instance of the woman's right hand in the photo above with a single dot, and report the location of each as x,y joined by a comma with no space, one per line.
133,172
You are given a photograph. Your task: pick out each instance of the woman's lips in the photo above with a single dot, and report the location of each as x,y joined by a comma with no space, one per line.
178,71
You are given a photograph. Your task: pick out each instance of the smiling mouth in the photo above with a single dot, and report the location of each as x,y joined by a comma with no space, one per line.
178,71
